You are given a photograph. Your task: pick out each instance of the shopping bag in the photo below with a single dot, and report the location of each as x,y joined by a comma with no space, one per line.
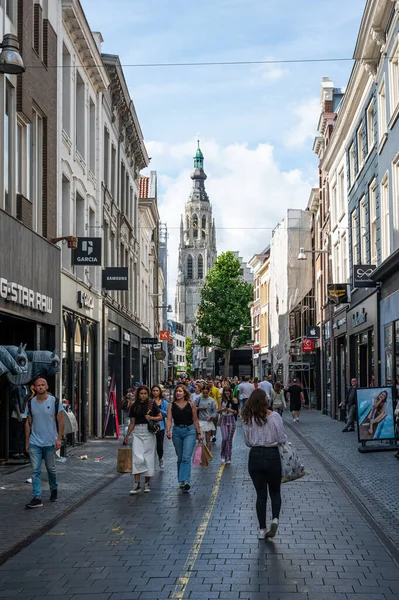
291,466
197,456
206,456
124,462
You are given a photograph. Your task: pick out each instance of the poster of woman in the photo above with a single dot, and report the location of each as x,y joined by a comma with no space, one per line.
375,414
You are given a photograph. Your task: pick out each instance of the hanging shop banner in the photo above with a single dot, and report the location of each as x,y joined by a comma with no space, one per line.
337,293
116,278
313,332
307,345
88,252
375,414
361,276
164,334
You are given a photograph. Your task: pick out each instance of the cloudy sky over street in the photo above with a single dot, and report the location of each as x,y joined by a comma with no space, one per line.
256,122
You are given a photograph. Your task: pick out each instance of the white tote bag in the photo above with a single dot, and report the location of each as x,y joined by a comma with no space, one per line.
291,466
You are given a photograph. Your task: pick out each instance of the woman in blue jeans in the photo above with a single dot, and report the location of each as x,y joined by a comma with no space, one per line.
186,429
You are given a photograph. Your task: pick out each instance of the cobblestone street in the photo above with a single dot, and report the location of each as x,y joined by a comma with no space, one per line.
203,545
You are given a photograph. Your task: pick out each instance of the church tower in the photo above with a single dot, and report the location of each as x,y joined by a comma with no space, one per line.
197,248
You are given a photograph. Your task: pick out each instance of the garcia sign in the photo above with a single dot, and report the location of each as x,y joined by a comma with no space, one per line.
14,292
88,252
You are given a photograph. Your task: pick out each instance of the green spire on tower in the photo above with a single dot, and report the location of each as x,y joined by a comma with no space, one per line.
199,158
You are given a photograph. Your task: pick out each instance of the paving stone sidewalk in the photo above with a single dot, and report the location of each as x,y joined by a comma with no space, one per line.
76,480
372,477
203,545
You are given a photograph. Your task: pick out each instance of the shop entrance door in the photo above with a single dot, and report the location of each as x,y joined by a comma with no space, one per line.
363,365
78,395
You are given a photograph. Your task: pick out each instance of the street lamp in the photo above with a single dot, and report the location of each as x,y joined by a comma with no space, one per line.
10,58
302,253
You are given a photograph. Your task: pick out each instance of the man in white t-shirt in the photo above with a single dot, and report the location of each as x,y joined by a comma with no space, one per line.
266,386
245,389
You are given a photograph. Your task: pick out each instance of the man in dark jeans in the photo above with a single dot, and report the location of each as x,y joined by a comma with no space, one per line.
351,406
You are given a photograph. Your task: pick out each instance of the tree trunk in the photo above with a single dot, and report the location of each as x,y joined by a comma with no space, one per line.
226,363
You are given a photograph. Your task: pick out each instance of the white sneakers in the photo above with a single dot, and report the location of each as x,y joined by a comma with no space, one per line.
263,534
147,487
161,463
135,489
222,461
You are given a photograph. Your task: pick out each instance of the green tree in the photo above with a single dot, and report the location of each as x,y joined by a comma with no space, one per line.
189,356
223,316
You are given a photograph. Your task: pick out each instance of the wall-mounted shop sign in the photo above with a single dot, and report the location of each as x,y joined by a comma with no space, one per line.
14,292
337,293
313,332
126,336
307,345
149,341
85,300
361,276
116,278
359,317
88,252
339,323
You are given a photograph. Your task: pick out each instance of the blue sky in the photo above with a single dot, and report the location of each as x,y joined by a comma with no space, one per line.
256,122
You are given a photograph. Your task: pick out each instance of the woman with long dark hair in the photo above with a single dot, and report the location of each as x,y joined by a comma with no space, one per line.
263,432
277,399
162,404
186,429
228,414
141,413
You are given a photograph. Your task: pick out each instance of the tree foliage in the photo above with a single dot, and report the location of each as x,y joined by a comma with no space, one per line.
189,356
223,316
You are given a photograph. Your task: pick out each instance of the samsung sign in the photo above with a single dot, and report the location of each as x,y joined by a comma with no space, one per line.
14,292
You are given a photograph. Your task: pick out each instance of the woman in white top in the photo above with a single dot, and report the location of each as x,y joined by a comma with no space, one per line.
196,395
263,432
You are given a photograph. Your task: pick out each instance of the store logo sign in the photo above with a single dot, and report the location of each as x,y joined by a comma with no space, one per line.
88,252
85,300
14,292
116,278
361,276
359,318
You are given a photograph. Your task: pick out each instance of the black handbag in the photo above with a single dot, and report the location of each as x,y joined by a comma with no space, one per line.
153,426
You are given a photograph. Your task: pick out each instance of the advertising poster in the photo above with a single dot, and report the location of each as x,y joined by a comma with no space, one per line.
375,414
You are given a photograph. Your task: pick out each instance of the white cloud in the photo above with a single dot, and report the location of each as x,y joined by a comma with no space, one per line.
307,112
248,191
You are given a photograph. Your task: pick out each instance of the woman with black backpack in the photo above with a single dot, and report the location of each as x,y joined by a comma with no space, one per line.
144,415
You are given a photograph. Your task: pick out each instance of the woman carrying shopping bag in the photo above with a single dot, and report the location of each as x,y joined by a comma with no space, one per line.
142,413
183,413
207,414
263,432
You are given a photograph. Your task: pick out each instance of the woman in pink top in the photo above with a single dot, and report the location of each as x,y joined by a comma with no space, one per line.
263,432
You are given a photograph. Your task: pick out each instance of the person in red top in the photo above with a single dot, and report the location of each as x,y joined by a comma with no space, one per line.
256,382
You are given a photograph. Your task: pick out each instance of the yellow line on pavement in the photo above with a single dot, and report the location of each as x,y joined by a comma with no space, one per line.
184,578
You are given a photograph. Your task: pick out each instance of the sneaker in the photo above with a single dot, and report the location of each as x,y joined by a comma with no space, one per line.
53,496
228,462
222,461
147,487
297,420
161,463
187,487
261,534
273,529
135,489
34,503
29,480
214,439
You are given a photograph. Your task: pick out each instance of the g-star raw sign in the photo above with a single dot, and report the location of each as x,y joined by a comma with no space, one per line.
14,292
88,252
85,301
361,276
